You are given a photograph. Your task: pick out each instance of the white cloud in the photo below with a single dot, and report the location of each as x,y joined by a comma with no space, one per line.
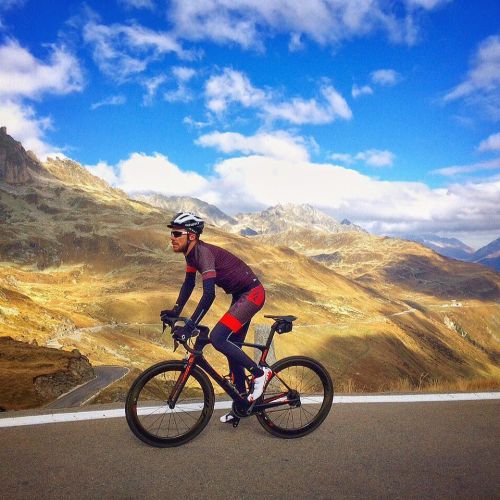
277,144
427,4
231,86
258,181
104,171
121,50
22,75
183,74
188,120
25,126
141,172
482,83
385,77
235,87
371,157
492,143
468,169
182,93
407,206
359,91
248,22
152,85
114,100
139,4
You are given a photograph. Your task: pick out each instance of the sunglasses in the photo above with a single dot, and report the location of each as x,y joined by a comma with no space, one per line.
177,234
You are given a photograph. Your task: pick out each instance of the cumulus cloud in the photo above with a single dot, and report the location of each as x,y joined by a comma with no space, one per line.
104,171
492,143
141,172
247,22
371,157
114,100
385,77
23,123
234,87
277,144
251,183
481,86
22,75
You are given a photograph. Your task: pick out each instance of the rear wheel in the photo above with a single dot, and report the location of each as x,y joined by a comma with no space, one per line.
153,421
306,387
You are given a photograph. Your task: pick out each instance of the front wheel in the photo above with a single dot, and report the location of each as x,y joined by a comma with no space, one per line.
152,420
306,389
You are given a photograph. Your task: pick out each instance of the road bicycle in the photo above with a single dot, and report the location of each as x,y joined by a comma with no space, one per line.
171,402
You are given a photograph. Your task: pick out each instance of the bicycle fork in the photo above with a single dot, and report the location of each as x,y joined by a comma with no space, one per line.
180,383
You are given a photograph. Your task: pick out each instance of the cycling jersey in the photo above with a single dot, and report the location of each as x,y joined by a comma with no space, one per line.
230,272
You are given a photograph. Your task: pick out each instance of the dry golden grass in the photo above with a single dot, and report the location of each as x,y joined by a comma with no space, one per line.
20,364
79,255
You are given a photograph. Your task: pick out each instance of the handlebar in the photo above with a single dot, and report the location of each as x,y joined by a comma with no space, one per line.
171,321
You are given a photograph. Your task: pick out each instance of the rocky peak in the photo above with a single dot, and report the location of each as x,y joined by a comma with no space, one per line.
71,172
17,166
173,204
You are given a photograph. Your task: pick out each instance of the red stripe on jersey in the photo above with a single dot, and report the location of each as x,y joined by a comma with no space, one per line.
208,274
257,295
190,269
231,322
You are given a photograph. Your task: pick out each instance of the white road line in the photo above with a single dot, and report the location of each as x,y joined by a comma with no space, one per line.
52,418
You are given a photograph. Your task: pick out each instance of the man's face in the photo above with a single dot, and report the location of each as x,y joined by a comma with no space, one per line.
179,239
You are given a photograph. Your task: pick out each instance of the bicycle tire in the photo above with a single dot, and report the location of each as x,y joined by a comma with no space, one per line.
315,387
150,418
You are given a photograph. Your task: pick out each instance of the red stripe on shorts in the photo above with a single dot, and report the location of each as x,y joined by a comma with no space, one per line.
231,322
190,269
257,295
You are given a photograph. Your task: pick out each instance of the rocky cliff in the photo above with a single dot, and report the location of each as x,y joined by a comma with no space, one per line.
16,165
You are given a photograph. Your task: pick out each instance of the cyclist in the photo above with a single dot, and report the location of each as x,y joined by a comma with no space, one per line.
219,267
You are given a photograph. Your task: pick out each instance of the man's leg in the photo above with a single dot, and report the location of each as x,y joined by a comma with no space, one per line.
236,370
239,315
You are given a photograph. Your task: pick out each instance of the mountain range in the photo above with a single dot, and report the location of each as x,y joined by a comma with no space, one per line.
84,266
293,219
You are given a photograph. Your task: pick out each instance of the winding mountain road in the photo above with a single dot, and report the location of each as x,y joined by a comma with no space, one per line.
105,376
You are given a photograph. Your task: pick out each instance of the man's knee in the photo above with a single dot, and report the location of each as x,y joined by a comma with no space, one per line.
219,336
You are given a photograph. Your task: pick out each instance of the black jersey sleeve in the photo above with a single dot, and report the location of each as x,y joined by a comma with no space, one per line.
206,300
186,291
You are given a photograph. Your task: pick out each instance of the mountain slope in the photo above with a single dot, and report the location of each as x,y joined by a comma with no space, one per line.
488,255
448,247
85,267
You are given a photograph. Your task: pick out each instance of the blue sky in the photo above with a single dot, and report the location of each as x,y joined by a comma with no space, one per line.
386,113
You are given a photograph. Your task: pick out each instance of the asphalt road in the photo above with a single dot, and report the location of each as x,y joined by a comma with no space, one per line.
391,450
105,375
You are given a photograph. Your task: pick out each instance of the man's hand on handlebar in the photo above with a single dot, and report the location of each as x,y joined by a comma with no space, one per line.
168,313
183,333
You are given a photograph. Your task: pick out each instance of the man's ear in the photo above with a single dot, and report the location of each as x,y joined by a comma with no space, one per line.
191,236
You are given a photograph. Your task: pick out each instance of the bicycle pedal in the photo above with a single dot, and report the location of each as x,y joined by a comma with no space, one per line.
236,421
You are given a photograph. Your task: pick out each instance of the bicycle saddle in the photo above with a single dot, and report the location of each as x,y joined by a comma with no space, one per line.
287,319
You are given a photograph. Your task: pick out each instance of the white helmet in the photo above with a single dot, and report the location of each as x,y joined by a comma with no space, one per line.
188,220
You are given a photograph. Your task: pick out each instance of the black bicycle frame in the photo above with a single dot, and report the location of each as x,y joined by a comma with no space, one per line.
196,358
